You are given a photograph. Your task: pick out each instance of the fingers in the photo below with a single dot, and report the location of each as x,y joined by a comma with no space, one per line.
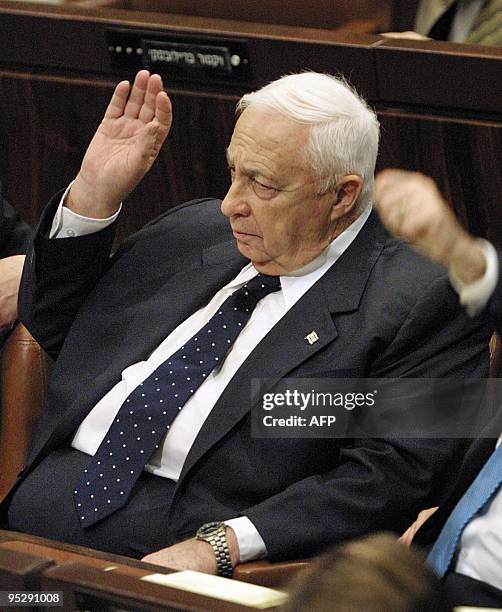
130,104
392,196
410,533
118,102
137,95
406,202
412,208
154,87
148,101
163,110
391,184
400,191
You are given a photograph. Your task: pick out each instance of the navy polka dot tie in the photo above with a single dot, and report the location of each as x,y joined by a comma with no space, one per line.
146,415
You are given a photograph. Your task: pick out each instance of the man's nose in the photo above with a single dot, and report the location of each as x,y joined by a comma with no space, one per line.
235,202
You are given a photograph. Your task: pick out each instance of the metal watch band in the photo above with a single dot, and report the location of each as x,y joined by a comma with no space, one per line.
218,540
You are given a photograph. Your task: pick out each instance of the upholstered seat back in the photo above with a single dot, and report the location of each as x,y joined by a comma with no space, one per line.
24,369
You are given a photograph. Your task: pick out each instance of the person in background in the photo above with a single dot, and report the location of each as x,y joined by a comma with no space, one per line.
468,549
467,21
15,236
371,574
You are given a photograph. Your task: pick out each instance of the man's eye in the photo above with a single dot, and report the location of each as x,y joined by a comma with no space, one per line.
263,190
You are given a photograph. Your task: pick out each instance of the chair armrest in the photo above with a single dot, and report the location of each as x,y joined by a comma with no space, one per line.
24,369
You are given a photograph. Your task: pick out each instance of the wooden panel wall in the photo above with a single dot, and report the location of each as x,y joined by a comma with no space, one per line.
464,157
315,14
403,14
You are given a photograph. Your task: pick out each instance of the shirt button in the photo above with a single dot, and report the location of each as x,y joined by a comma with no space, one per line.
70,233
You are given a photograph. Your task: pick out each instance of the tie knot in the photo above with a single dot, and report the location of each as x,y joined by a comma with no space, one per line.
262,285
246,298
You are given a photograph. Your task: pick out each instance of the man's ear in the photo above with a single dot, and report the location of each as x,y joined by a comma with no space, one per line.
347,194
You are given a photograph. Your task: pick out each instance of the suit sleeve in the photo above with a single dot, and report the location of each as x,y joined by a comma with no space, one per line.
381,484
58,276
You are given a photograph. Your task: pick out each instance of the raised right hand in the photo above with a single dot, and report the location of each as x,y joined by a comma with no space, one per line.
123,148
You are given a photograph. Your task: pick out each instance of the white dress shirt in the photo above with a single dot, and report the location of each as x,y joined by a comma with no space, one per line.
168,460
480,552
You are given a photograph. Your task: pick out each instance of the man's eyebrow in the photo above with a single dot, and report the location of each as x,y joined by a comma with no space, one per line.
253,173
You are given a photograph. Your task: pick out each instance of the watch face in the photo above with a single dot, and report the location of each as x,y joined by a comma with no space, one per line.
209,528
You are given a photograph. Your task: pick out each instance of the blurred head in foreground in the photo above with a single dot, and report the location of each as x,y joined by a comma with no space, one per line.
372,574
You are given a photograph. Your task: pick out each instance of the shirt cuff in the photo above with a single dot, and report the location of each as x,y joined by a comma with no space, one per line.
251,545
474,296
68,224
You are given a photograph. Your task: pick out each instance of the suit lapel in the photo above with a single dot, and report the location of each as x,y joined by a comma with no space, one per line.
285,347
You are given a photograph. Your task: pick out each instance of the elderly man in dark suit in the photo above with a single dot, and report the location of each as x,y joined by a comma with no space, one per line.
146,432
468,549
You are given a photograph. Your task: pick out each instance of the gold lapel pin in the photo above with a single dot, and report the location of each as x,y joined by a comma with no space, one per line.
311,337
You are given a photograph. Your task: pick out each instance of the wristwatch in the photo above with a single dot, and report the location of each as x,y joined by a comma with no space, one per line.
215,534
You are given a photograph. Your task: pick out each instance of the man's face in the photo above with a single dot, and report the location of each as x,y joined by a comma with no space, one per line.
277,217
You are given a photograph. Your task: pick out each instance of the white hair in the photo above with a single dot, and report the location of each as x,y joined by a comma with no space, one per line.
344,131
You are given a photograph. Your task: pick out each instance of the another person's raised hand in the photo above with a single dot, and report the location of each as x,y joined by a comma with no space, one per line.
124,146
412,208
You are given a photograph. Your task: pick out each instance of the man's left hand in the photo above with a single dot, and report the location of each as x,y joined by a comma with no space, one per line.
196,555
410,533
11,269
